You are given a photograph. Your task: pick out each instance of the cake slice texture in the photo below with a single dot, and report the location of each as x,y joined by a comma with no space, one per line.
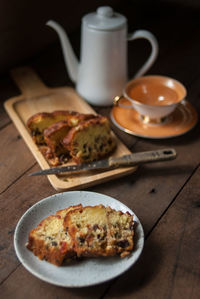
49,241
88,230
100,231
90,140
121,231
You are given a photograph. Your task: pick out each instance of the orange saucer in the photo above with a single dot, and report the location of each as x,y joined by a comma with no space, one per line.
182,120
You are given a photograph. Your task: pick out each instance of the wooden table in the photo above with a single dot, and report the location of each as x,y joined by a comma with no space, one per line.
165,196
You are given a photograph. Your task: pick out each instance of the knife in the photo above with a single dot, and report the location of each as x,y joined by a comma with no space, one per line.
123,161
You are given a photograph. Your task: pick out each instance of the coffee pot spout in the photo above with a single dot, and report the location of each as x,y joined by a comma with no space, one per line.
71,61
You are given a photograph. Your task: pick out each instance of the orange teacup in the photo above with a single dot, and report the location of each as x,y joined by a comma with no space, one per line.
153,97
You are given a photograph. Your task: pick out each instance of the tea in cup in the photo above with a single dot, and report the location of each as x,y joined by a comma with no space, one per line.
153,97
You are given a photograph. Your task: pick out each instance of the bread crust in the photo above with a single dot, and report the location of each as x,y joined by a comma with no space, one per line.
52,115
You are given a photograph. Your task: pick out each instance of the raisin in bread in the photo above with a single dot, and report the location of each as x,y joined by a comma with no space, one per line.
100,231
90,140
49,240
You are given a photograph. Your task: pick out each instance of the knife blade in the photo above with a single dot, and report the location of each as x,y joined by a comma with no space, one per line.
123,161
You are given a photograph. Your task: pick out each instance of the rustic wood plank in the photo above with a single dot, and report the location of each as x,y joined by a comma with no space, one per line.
13,204
15,157
169,267
12,288
148,192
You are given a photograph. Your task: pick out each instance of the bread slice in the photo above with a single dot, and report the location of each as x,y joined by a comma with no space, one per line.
40,121
121,231
54,134
100,231
90,140
49,241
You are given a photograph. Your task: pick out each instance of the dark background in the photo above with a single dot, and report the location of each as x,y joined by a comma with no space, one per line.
164,197
24,37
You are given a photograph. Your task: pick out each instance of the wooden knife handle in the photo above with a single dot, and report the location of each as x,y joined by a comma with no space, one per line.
144,157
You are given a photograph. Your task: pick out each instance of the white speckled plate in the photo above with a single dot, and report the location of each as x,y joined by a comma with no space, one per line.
80,273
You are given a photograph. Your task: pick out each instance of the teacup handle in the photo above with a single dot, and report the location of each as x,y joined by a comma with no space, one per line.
154,51
116,102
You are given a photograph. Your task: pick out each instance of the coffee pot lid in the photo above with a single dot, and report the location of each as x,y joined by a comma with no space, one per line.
104,19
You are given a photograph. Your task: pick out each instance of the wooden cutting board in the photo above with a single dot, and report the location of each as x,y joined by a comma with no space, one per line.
37,97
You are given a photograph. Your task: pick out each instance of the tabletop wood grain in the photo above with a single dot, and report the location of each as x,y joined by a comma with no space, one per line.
165,196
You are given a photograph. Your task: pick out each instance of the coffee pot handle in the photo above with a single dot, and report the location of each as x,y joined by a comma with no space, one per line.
154,51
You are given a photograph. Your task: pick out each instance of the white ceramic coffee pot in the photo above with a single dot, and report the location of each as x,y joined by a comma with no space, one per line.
102,71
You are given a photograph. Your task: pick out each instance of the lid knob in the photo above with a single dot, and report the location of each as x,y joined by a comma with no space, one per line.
104,19
105,11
